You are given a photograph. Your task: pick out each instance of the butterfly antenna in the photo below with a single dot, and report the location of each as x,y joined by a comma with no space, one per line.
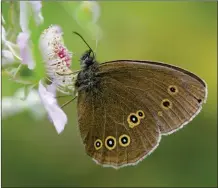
84,42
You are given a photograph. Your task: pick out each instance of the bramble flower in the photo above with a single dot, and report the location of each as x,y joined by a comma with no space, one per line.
12,105
87,11
9,49
27,8
3,34
57,59
21,50
23,39
36,7
7,57
25,50
55,113
52,47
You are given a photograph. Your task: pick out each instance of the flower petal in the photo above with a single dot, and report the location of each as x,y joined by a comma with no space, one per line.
25,50
14,49
3,34
7,57
24,16
11,106
36,6
87,11
3,20
34,104
56,114
15,104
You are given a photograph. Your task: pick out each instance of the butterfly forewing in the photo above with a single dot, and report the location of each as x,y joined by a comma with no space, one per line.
172,95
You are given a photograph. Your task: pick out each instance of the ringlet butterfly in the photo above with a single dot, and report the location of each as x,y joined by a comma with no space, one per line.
125,106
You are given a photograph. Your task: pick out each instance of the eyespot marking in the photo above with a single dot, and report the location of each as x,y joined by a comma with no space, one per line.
110,142
140,114
124,140
199,100
166,104
98,144
133,120
172,89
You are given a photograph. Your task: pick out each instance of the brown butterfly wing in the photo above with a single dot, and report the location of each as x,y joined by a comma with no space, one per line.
173,95
105,114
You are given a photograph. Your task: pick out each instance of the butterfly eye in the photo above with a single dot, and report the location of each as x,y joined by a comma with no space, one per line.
86,55
110,142
133,120
124,140
166,104
172,90
140,114
98,144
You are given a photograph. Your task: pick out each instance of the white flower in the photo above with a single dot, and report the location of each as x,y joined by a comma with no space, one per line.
3,35
89,9
36,7
3,20
9,50
24,16
57,59
25,13
25,49
23,39
34,105
52,47
12,105
7,57
55,113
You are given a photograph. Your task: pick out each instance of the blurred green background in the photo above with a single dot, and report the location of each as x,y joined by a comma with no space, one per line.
179,33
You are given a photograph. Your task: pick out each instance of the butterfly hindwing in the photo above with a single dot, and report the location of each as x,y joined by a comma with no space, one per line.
107,114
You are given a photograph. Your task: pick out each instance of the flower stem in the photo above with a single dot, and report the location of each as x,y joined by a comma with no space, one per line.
18,69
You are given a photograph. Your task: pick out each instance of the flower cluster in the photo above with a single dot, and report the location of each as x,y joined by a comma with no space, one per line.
56,57
16,49
21,48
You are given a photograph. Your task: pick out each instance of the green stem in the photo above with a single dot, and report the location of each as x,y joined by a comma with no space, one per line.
18,69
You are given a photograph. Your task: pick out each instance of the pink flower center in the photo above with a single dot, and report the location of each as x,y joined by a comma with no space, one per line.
63,54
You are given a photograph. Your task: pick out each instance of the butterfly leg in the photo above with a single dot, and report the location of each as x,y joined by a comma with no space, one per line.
68,102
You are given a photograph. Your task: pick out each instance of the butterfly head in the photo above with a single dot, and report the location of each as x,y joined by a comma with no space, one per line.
87,59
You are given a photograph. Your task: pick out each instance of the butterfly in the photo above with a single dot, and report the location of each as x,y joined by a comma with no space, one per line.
125,106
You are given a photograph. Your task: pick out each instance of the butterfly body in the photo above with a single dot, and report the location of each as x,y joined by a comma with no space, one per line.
125,106
87,78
